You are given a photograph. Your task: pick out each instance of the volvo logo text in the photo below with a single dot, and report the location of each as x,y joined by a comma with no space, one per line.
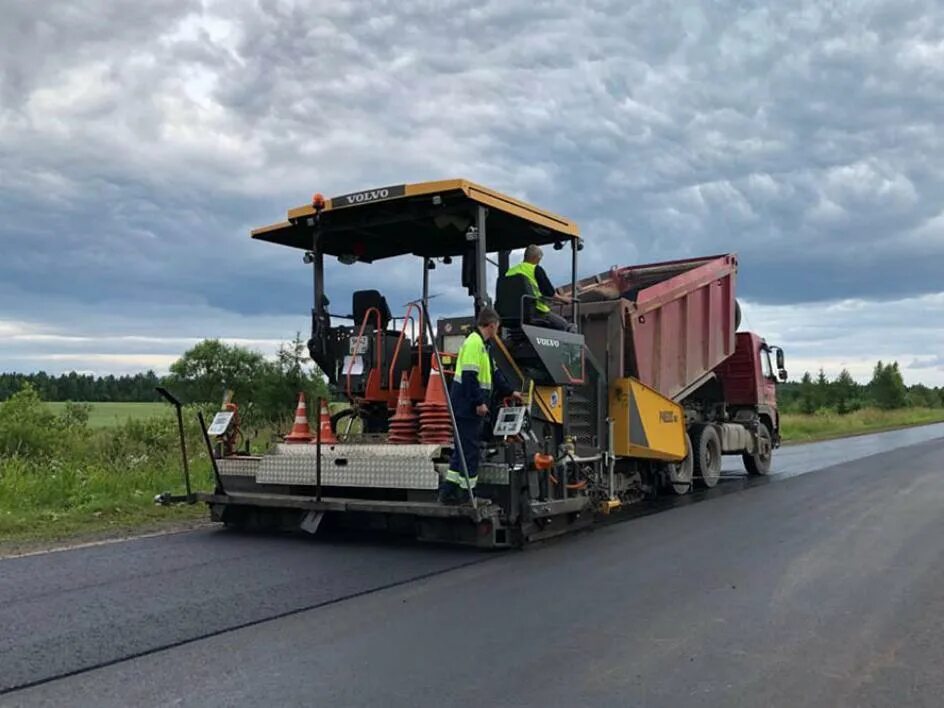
544,342
370,195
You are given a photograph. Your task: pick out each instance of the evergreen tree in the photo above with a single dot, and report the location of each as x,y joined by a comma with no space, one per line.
823,395
845,393
807,394
887,387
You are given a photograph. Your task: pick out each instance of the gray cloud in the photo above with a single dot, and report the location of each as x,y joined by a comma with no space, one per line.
139,143
934,362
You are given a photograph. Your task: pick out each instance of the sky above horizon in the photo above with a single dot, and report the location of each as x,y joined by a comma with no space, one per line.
140,142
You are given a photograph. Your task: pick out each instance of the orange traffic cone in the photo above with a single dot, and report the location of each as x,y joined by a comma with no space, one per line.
301,433
403,429
436,388
327,435
435,424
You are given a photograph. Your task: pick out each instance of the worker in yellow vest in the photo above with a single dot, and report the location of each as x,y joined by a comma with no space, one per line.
475,383
542,288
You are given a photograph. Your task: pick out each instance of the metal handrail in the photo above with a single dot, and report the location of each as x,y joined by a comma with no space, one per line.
360,334
408,317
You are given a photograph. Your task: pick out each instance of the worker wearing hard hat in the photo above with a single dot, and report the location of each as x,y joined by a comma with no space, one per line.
542,288
475,381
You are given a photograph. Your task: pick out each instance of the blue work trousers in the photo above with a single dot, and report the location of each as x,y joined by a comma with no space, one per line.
470,435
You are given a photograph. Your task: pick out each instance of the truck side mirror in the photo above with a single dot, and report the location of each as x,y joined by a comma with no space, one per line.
782,374
780,362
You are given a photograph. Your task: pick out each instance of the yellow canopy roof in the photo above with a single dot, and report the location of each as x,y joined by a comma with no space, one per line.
425,219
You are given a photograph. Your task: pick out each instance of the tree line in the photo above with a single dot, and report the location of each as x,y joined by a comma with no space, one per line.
203,374
83,387
885,390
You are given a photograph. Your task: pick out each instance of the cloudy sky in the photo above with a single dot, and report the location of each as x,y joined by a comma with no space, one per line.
139,143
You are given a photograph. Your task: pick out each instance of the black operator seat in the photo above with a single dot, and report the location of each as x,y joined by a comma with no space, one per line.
509,292
363,300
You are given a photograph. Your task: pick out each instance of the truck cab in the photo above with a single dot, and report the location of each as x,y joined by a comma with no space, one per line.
749,382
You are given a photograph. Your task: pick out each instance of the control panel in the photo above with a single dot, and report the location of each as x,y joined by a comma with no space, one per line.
510,420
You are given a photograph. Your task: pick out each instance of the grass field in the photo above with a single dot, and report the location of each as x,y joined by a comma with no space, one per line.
798,428
109,415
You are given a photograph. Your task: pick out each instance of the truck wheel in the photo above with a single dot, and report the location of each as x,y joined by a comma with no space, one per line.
759,462
680,473
706,455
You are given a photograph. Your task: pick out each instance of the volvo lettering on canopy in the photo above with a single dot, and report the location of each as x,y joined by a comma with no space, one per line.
372,195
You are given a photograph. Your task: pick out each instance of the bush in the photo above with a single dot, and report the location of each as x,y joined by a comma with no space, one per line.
75,415
27,428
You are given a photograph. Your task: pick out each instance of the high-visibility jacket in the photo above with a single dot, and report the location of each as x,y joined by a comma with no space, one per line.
471,387
527,270
475,376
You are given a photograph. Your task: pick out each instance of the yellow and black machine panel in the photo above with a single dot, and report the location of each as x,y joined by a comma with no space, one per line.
546,402
549,403
646,424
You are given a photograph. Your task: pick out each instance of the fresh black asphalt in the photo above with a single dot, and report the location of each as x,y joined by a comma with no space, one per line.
823,589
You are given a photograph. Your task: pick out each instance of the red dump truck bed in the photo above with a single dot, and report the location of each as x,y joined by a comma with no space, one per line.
667,324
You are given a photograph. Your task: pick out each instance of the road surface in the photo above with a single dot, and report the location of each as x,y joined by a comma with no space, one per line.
816,589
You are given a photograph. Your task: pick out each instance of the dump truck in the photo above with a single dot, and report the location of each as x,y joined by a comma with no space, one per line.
645,397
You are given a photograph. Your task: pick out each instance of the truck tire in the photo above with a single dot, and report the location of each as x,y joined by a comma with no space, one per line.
756,463
706,455
680,473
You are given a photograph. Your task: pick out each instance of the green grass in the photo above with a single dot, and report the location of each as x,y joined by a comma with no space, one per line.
110,415
797,427
28,529
62,476
67,499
